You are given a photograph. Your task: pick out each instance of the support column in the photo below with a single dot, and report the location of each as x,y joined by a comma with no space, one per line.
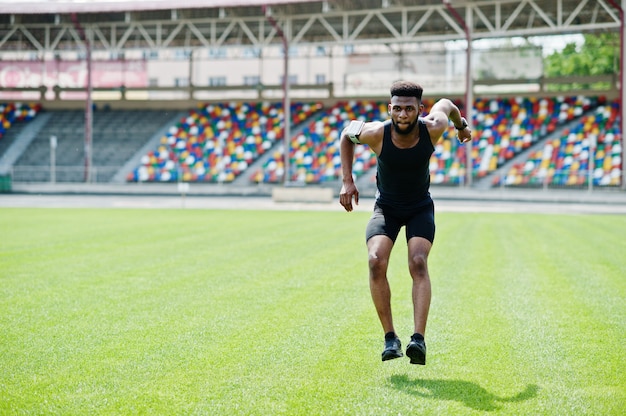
286,96
622,98
467,24
469,91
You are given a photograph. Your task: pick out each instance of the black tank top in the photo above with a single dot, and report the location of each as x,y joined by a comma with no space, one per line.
403,175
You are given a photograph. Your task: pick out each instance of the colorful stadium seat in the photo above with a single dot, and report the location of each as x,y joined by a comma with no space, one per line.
217,142
565,161
502,129
314,153
11,113
506,127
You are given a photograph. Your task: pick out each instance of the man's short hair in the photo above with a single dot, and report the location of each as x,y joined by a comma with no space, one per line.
406,89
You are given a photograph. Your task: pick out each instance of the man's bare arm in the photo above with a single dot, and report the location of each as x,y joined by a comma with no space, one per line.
370,135
438,119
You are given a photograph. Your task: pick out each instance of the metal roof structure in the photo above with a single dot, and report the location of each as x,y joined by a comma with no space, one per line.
117,26
102,6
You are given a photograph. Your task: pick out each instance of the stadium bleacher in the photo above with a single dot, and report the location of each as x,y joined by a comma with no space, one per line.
117,135
14,118
503,128
314,153
565,161
219,142
14,113
11,113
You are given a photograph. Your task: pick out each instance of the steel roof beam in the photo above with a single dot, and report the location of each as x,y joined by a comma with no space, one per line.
336,25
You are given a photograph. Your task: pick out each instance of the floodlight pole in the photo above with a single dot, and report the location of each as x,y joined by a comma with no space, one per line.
467,23
88,101
622,94
286,98
286,111
88,119
622,79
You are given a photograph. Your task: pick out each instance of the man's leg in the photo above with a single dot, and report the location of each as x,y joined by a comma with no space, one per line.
378,250
419,248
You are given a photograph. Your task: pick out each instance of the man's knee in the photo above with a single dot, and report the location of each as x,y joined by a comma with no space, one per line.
418,264
377,264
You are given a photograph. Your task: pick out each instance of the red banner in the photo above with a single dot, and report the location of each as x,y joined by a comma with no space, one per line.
73,74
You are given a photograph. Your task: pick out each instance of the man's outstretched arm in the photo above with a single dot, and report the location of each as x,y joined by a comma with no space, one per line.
438,119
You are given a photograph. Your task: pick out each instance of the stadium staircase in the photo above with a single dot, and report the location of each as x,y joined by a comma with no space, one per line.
152,143
15,141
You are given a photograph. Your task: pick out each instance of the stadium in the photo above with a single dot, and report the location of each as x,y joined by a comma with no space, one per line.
172,241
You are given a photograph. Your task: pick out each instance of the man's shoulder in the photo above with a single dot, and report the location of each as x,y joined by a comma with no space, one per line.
377,125
374,129
433,125
372,135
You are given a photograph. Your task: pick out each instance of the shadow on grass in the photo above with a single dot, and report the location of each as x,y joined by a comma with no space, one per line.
470,394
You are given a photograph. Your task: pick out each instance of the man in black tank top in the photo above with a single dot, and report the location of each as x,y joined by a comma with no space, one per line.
403,146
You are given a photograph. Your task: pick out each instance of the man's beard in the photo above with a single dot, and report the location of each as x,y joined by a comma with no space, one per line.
405,131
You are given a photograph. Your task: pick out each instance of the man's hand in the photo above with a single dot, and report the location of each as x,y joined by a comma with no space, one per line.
348,191
464,135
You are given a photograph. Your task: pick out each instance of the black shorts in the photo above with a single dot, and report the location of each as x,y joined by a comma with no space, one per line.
418,222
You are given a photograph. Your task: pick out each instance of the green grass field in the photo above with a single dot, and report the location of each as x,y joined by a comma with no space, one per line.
264,312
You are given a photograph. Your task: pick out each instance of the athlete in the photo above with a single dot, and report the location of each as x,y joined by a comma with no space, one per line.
403,146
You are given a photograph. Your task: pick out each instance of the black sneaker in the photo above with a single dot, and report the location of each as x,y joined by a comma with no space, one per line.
393,347
416,350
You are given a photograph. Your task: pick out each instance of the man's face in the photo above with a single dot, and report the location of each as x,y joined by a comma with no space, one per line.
404,112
